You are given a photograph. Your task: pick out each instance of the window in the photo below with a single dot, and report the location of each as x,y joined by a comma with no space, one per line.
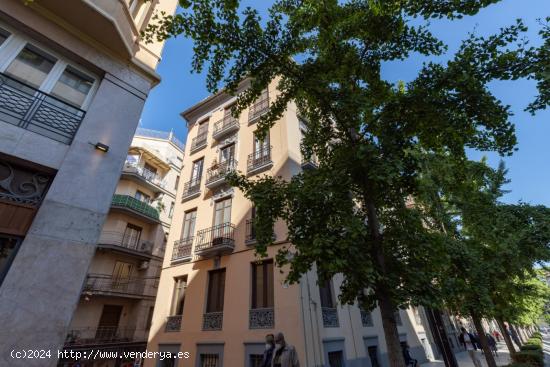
141,196
8,250
210,360
227,154
73,87
149,318
178,298
261,147
262,284
131,236
177,182
325,291
196,172
336,359
216,288
417,317
3,36
373,355
222,212
171,211
189,224
122,274
203,128
256,360
31,66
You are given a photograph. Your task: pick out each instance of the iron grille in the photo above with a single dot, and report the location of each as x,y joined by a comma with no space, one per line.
199,141
219,235
218,171
259,159
27,107
182,249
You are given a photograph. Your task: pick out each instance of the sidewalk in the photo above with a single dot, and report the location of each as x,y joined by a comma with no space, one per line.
464,360
546,348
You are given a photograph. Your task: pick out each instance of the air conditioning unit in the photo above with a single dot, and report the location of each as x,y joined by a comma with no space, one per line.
144,265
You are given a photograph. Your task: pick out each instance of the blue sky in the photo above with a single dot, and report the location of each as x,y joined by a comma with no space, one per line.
529,167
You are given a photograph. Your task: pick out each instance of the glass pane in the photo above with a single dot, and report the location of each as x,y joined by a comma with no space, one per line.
72,87
31,66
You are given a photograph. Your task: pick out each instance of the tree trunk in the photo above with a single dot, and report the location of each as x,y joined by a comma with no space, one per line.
483,340
391,334
506,336
515,332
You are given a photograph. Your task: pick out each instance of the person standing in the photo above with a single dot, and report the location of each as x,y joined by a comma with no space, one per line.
409,360
285,354
268,352
468,341
492,344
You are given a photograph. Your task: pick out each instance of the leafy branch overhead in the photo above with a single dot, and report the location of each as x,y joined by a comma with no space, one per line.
374,210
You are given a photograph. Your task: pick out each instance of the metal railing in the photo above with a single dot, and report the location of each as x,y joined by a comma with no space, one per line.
261,318
173,323
160,135
105,335
212,321
199,141
33,110
149,176
250,235
330,317
259,108
118,239
182,249
218,171
260,158
126,201
219,235
227,123
191,188
146,287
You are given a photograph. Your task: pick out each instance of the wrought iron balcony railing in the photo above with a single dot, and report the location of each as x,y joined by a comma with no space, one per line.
215,175
36,111
250,235
124,287
104,335
216,240
147,175
199,141
138,206
261,318
182,249
259,160
212,321
259,108
225,126
173,323
191,189
132,243
330,317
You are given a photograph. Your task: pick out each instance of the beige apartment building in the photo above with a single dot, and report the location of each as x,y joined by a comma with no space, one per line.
216,299
116,304
74,76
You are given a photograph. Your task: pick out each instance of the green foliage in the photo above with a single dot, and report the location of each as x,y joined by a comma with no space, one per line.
535,358
382,146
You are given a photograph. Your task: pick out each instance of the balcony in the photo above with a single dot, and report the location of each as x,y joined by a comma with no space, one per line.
114,240
250,234
225,126
135,207
199,142
261,318
106,285
215,175
330,317
191,189
104,336
33,110
107,22
215,241
310,163
259,161
182,250
144,177
259,108
212,321
173,323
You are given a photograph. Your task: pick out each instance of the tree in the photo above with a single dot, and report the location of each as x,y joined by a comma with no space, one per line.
352,214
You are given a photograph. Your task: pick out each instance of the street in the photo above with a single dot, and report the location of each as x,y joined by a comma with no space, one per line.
464,360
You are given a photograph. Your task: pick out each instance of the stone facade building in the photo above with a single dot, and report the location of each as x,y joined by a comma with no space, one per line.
74,76
216,301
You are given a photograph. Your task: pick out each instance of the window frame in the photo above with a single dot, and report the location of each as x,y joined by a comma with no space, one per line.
267,285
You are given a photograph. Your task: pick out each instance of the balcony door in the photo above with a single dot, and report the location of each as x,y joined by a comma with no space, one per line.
196,172
261,147
216,290
108,322
189,224
132,235
227,155
222,212
122,273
